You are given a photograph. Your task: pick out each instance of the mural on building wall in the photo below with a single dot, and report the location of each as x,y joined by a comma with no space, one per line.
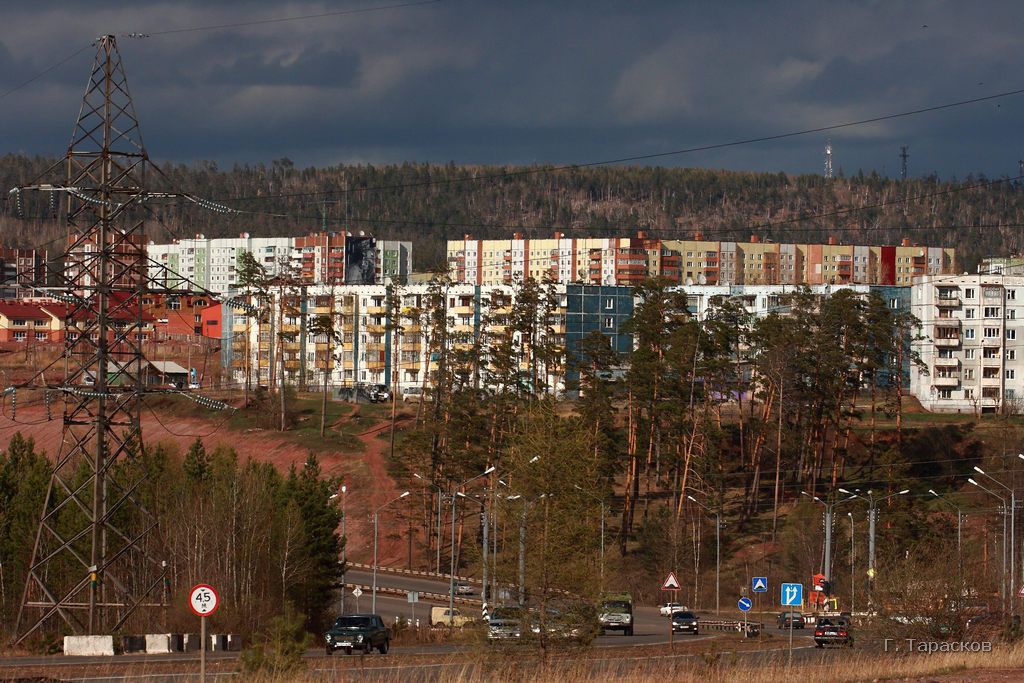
359,260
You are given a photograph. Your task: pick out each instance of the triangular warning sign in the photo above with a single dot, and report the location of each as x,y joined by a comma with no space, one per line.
671,583
1020,593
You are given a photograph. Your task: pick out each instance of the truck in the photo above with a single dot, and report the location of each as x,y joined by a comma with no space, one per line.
441,616
616,613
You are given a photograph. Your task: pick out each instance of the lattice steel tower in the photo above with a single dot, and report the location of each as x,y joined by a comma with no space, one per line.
95,559
828,158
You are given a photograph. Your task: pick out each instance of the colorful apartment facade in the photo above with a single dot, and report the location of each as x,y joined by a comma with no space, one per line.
629,261
203,263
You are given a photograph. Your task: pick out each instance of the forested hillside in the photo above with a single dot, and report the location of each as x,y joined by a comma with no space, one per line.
432,203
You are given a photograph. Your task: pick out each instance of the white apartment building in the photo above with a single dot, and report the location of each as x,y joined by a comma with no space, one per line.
318,258
972,328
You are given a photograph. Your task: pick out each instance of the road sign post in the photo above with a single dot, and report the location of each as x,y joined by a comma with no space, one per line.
356,592
413,597
744,604
203,601
671,583
792,596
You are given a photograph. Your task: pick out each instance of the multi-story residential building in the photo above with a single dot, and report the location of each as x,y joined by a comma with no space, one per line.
31,322
318,258
972,327
1007,265
22,270
629,261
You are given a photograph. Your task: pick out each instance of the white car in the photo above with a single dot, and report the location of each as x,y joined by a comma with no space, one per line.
670,608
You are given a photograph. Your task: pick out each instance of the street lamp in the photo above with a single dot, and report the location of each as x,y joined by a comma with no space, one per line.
344,546
853,575
1002,582
440,502
376,513
718,550
451,574
872,519
959,524
601,501
527,504
1013,536
827,569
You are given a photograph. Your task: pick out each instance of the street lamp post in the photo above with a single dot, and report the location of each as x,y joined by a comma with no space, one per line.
1002,580
376,513
440,502
853,575
718,550
959,525
601,501
344,547
451,574
829,507
872,519
1013,534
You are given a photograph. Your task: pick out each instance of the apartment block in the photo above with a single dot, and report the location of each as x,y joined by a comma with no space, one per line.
629,261
318,258
972,327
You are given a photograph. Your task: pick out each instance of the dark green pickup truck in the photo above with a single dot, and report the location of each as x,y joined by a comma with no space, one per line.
358,632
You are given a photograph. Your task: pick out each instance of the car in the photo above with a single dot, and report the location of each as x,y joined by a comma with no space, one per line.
378,393
443,616
505,623
791,620
685,622
827,632
193,385
364,632
463,588
670,608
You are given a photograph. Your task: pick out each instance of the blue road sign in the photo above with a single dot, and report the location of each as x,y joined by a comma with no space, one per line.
744,604
792,594
759,584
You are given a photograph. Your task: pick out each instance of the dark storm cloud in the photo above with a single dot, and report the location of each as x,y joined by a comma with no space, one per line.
564,82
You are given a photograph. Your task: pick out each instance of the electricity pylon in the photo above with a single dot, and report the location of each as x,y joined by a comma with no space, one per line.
95,559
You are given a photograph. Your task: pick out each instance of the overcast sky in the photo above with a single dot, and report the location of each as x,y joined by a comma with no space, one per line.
520,82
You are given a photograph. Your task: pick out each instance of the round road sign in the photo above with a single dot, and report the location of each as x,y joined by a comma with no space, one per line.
745,604
203,600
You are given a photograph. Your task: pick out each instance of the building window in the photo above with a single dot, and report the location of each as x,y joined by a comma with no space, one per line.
1011,354
989,354
609,322
968,333
18,323
609,303
1009,373
969,353
990,373
894,303
969,373
41,336
969,293
945,394
1011,334
969,313
991,332
991,311
1011,295
20,336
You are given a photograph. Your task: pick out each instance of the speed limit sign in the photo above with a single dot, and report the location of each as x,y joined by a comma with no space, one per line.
203,600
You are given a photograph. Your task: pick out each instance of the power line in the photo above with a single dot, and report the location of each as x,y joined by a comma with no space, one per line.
47,70
643,157
280,20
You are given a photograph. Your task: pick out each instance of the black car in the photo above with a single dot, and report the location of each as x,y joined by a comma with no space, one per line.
827,632
363,632
685,622
791,620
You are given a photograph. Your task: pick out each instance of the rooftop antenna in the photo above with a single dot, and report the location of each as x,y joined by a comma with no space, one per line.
828,159
904,155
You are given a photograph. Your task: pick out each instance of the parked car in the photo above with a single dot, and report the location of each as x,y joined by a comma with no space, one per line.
685,622
670,608
826,632
463,588
378,393
791,620
363,632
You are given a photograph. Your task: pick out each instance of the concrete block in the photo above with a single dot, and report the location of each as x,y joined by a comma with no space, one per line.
89,646
234,642
190,642
130,644
218,642
158,643
177,642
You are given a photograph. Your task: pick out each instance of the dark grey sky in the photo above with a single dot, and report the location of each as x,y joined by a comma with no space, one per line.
517,82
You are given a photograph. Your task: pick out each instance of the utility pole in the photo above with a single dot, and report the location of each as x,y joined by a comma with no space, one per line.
903,162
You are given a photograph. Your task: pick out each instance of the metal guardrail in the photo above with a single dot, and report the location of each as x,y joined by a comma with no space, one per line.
413,572
753,628
443,597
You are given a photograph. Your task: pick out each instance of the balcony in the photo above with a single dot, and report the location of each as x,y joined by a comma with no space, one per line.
946,324
947,342
946,363
376,310
461,310
947,300
946,381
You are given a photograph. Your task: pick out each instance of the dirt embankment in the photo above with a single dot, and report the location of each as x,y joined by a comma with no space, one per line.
365,473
